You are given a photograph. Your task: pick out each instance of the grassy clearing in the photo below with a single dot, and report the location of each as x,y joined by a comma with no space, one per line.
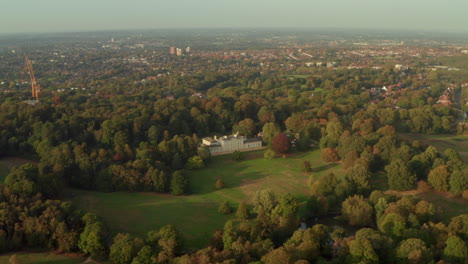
445,205
42,258
442,142
196,215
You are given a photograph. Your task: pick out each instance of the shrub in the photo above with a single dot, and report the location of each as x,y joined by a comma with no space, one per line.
269,154
306,166
219,184
225,208
195,162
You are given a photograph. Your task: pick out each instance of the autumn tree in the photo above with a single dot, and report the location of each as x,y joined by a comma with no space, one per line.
329,155
281,144
349,159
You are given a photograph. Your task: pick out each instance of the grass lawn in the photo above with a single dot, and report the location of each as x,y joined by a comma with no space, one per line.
196,215
442,142
42,258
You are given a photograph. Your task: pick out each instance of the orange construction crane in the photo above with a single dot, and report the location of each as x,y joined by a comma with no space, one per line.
35,87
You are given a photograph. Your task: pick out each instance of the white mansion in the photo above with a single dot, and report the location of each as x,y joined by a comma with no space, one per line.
231,143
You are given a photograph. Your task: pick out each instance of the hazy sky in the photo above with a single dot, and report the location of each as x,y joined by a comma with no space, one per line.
84,15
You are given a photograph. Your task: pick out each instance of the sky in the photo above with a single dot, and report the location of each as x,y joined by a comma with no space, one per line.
20,16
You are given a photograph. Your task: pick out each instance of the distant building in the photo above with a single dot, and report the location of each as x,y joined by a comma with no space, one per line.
172,50
231,143
179,52
187,50
444,99
401,67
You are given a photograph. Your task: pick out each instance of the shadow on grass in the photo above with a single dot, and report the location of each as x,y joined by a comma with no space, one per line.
324,167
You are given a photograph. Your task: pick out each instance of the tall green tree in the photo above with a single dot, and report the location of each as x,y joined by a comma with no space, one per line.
400,176
179,183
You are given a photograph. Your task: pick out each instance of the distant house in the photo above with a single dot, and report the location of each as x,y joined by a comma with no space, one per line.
444,99
231,143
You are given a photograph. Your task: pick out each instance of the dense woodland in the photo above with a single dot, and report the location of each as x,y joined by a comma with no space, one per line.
129,136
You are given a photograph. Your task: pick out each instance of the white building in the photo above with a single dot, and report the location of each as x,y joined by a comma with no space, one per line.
231,143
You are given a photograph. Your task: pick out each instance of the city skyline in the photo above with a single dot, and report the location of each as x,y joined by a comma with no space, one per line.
63,16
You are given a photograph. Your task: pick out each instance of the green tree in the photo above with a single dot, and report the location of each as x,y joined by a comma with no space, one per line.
456,250
270,130
92,239
229,234
413,250
195,162
399,176
459,181
359,177
438,178
453,159
144,256
23,180
357,211
269,154
245,127
169,241
179,183
160,180
122,250
264,201
243,211
225,208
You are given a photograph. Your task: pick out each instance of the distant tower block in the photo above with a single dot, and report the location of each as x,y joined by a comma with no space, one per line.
179,52
112,40
187,50
172,50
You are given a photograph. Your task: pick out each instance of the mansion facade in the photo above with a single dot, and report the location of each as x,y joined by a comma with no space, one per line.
231,143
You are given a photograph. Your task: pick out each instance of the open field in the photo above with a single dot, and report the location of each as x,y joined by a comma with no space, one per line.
42,258
196,215
6,164
442,142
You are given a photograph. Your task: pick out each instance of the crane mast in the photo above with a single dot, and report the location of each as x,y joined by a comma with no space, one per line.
35,87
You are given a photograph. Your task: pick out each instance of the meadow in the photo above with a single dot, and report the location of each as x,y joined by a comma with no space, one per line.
196,215
42,258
